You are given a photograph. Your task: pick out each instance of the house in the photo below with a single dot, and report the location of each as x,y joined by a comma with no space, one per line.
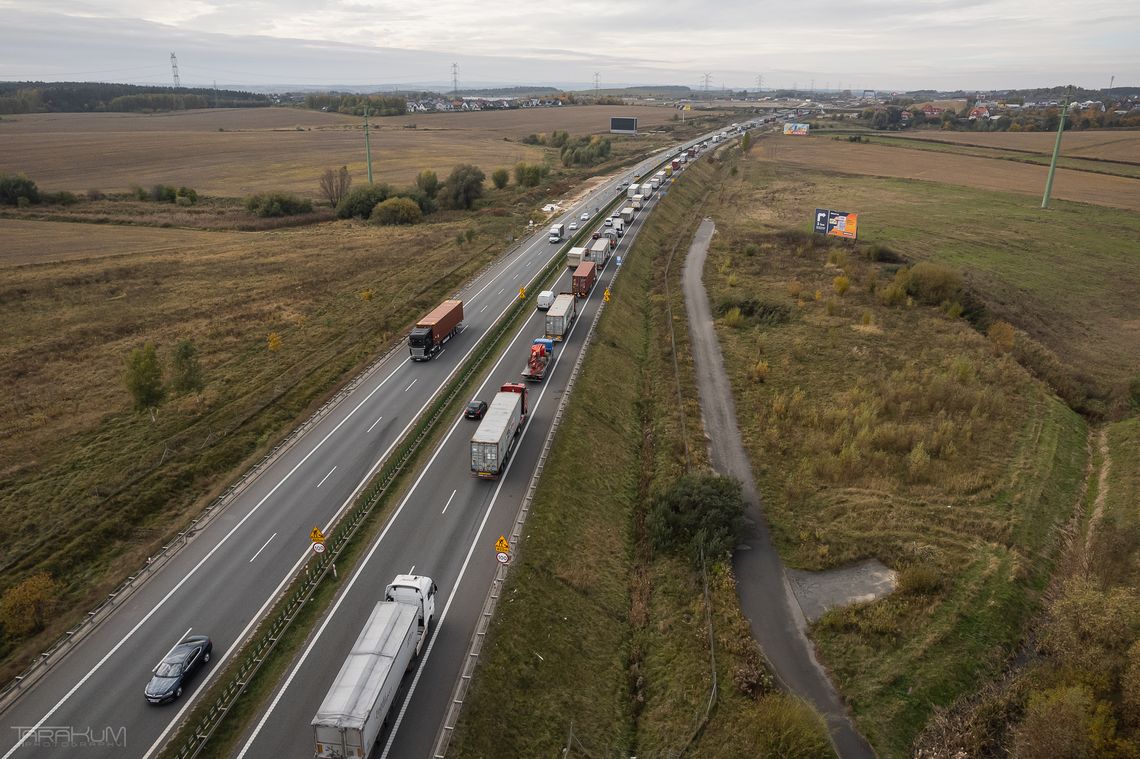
979,112
931,111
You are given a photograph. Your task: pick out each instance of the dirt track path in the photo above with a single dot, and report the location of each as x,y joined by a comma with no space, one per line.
765,593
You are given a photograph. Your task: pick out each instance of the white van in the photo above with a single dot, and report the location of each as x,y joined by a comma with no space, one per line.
545,300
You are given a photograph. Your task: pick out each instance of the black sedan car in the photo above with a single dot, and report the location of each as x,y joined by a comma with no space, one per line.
475,409
176,668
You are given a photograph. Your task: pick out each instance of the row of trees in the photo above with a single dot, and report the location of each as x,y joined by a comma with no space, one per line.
459,191
1043,120
378,105
78,97
144,373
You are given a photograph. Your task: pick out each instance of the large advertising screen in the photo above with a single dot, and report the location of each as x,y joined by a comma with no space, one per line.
623,124
836,223
799,130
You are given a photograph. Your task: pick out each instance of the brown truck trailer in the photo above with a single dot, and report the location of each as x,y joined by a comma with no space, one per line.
432,331
583,280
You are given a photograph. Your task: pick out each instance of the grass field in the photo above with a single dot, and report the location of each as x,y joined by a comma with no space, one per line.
1020,259
596,634
233,152
1096,165
968,171
1108,145
894,431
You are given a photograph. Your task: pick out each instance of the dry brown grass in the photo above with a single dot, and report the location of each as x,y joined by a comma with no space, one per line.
240,152
969,171
1108,145
41,241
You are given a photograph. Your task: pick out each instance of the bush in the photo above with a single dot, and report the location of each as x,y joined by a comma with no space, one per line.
841,284
733,318
793,730
396,211
95,194
499,178
530,174
61,198
185,369
697,511
16,186
1068,723
920,579
932,283
425,202
144,377
163,193
274,204
189,194
359,202
25,607
1001,335
759,371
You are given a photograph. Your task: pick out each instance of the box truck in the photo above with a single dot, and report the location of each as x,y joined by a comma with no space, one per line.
600,251
583,280
627,214
634,189
493,442
435,329
349,719
557,231
561,316
637,202
574,257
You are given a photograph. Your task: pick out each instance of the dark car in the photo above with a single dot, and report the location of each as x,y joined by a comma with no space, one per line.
475,409
176,668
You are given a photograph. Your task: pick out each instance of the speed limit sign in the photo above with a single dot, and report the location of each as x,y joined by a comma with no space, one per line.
318,548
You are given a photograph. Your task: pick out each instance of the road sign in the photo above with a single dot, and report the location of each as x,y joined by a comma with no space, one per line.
522,293
317,536
618,261
503,557
502,545
318,548
606,295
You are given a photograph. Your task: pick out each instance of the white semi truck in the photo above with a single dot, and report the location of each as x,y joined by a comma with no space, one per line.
349,719
560,316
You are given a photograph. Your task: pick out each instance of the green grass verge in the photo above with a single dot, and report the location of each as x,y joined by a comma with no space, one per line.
593,633
894,432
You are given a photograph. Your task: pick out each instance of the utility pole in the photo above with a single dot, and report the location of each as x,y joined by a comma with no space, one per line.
759,82
1056,151
455,80
596,75
367,144
174,70
708,78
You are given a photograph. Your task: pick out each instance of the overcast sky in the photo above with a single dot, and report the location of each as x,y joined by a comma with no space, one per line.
873,44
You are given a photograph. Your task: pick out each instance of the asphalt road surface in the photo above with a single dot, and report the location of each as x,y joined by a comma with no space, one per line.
765,595
229,573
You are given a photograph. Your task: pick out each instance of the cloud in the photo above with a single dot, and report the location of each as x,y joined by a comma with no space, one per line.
885,44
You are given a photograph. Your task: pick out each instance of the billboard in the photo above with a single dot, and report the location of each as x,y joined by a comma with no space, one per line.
623,124
836,223
799,130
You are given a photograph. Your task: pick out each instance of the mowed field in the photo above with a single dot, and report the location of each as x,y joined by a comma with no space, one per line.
1104,144
968,171
232,152
40,241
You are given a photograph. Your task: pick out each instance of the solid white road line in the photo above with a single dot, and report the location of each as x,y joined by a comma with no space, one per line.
259,550
409,387
322,482
453,492
375,546
193,570
375,423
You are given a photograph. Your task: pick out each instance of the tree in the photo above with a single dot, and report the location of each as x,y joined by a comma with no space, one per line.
698,511
335,184
24,607
462,187
185,368
746,142
428,182
397,211
360,202
273,204
144,377
500,177
13,187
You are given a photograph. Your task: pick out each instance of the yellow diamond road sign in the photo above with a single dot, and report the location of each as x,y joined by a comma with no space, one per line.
502,546
316,535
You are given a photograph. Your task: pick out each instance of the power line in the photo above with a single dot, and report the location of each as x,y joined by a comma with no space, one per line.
455,79
596,75
708,78
174,70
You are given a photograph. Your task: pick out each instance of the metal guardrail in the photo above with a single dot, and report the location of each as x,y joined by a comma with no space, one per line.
46,660
306,583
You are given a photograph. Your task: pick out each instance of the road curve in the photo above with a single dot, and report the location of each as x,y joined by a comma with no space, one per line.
765,594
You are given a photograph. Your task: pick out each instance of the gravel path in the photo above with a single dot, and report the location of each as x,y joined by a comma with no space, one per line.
765,594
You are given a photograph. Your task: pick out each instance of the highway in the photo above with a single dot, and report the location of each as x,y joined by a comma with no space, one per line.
226,577
446,528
